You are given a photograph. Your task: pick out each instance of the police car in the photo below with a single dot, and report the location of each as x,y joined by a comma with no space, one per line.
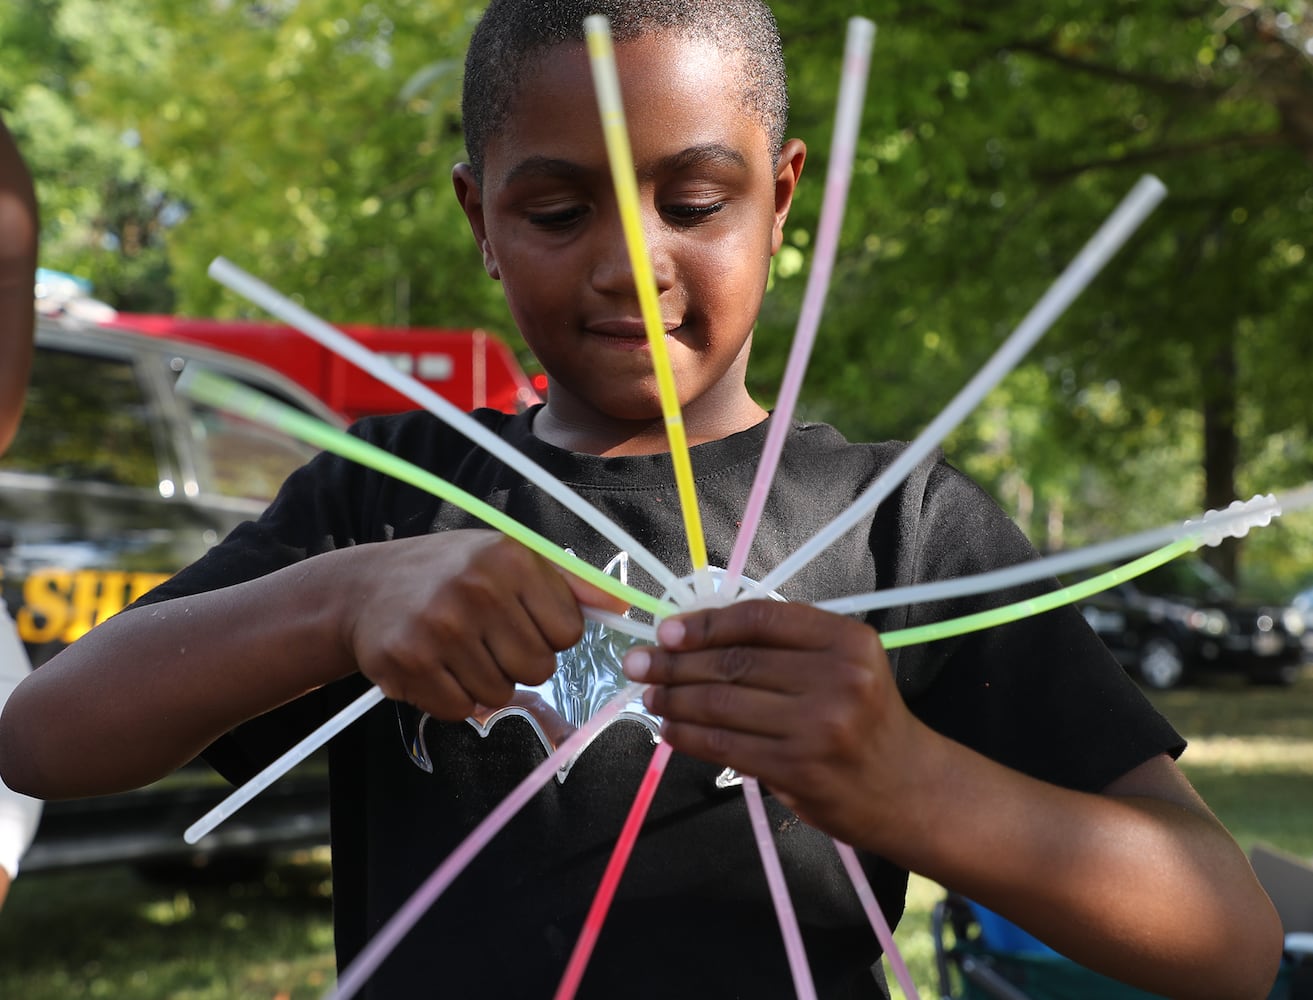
113,483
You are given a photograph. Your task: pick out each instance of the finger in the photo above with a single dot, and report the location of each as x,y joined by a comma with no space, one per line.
748,753
524,642
736,707
520,580
757,622
759,667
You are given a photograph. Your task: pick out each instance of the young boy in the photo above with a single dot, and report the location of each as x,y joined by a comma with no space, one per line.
1017,765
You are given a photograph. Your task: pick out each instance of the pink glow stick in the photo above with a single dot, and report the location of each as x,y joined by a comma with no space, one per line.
373,955
875,915
856,65
779,891
615,869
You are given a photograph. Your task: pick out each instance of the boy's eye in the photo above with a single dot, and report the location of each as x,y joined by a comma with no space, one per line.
692,214
557,219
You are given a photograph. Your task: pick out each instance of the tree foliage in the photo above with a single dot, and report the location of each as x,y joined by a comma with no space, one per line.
311,140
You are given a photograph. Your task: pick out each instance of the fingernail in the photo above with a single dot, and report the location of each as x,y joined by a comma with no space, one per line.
636,664
671,632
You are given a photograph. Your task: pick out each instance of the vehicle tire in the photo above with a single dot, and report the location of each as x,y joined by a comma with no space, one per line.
203,870
1283,676
1162,664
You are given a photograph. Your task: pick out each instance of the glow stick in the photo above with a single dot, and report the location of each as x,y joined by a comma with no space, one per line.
274,770
779,891
249,287
1235,521
615,869
1036,605
843,148
1111,235
601,55
284,763
226,394
381,945
875,915
606,80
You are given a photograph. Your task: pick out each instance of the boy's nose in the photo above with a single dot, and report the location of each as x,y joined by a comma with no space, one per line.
613,270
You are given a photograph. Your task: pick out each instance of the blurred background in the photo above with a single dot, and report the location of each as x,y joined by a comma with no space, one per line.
311,142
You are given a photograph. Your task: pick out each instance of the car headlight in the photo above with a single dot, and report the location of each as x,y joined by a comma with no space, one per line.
1294,621
1207,620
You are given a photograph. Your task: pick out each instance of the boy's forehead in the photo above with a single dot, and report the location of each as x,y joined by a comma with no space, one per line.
677,91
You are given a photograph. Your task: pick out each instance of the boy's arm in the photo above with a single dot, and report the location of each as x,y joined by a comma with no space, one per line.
18,254
1140,882
444,621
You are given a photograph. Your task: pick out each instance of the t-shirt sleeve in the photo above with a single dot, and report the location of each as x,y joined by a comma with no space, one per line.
1042,695
312,514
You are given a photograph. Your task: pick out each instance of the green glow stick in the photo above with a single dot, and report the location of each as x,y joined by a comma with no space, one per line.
1038,605
225,394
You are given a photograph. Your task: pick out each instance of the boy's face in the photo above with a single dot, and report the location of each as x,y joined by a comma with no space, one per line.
713,204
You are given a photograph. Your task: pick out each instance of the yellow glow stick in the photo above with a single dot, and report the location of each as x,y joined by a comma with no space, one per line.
601,54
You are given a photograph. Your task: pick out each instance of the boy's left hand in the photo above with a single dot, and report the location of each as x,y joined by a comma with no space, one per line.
802,699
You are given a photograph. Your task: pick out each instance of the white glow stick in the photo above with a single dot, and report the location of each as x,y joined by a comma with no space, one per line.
1093,256
273,771
1235,521
843,148
276,304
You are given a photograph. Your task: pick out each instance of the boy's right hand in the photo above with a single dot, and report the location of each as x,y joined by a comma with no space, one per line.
455,620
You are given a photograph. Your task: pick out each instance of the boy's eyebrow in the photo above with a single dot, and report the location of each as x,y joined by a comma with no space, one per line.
710,153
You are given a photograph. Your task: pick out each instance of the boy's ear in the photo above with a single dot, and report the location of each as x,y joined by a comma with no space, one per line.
788,168
470,196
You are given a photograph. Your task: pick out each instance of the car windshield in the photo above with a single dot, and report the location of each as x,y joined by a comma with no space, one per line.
1189,578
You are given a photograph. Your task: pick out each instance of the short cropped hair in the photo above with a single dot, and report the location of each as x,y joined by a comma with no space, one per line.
513,35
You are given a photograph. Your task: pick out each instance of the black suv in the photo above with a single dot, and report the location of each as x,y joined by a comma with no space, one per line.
113,483
1184,618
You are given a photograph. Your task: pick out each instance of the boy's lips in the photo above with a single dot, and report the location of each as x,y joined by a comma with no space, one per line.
625,333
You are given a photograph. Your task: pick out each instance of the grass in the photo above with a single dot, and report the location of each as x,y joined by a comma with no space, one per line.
109,933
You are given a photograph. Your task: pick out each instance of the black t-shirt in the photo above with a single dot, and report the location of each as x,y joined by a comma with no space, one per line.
692,916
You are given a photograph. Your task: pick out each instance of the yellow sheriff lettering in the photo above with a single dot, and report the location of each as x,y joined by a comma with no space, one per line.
62,605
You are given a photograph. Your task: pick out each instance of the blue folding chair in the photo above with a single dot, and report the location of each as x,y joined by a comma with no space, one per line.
981,956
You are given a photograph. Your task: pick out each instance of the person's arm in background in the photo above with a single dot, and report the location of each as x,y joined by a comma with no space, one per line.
18,247
18,242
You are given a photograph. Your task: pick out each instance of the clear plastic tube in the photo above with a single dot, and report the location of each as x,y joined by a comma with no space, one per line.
848,113
276,304
1232,522
226,394
277,768
1102,245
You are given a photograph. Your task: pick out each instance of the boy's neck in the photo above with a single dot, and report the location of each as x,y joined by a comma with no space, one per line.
647,437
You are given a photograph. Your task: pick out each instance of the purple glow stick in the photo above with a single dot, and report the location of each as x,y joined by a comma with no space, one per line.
852,90
779,892
381,945
875,915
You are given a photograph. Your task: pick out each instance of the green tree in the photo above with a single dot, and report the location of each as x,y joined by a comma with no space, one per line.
310,141
995,140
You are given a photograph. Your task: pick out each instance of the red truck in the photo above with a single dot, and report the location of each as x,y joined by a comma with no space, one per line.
469,368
